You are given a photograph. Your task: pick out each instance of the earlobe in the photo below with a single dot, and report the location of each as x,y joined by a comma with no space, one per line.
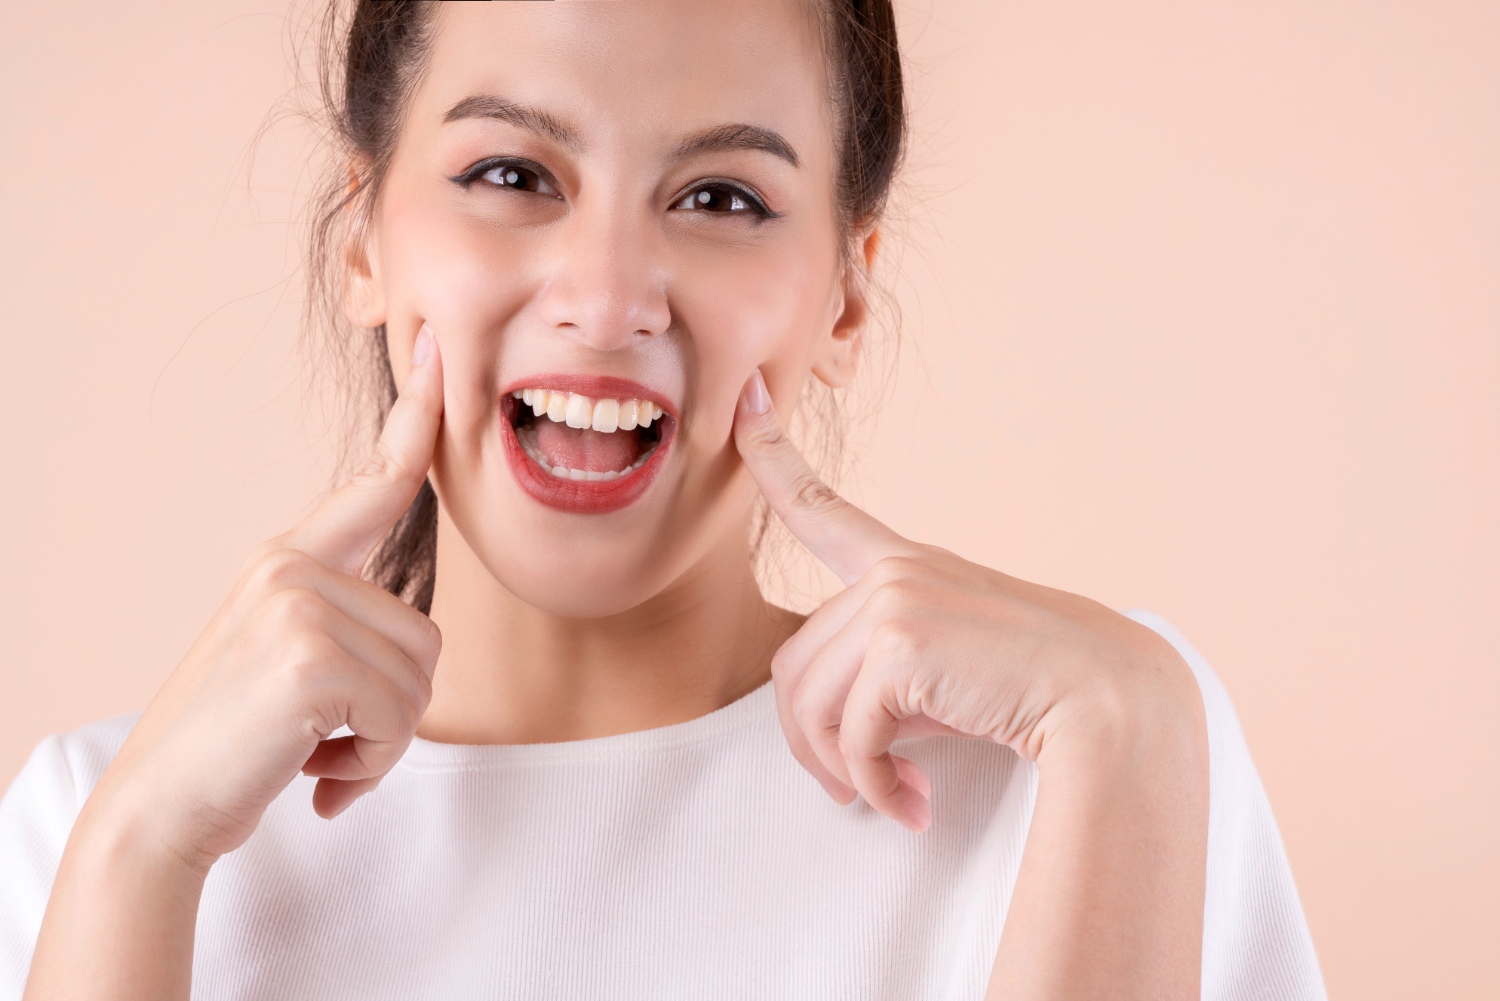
872,248
364,295
838,360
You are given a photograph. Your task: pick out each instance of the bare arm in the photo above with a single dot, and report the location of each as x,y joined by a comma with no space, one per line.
1109,899
120,920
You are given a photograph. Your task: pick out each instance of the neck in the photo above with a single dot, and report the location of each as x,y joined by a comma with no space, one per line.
511,673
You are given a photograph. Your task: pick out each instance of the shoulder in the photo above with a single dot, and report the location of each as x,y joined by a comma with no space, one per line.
1224,735
36,817
63,770
1255,938
40,806
69,765
88,750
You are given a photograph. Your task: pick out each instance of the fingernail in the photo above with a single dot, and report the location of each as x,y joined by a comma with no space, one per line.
422,350
756,397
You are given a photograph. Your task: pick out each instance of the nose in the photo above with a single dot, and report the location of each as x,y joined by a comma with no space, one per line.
606,286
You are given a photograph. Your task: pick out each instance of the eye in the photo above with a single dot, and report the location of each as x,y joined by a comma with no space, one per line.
510,174
723,198
518,178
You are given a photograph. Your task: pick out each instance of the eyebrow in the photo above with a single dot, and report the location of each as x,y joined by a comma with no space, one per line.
519,115
721,138
724,138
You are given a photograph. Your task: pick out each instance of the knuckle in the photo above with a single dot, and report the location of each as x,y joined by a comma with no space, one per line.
424,694
764,435
883,571
383,469
260,552
855,746
357,764
431,640
377,760
312,649
902,567
781,664
796,740
816,497
377,467
408,715
296,608
804,712
406,704
277,568
396,704
307,659
895,641
935,553
880,777
312,726
807,757
891,597
850,750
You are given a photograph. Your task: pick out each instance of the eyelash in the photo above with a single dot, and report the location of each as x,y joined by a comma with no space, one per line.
750,201
525,170
521,170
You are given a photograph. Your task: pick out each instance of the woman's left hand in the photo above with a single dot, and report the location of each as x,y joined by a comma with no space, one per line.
923,642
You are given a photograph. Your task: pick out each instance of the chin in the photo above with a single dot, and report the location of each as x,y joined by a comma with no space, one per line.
605,584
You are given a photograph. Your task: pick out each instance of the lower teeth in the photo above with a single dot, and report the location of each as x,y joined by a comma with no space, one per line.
527,438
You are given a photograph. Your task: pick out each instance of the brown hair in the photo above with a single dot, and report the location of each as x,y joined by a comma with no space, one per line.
372,53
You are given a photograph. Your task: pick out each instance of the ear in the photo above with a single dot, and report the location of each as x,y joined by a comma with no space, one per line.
837,358
364,292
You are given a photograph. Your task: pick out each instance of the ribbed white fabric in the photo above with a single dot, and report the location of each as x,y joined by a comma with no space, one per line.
693,861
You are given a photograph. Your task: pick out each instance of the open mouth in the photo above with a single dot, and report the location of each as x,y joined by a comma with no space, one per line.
585,451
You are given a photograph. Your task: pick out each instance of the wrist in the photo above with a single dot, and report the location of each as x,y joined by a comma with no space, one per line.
1147,713
120,827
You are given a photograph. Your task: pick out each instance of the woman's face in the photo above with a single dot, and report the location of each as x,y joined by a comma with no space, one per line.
610,207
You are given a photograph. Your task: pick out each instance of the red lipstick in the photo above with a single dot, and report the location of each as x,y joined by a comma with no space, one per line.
583,496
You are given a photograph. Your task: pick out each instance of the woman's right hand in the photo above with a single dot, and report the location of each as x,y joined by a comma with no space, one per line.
301,647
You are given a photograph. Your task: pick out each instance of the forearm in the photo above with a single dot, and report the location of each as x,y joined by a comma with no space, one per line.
1109,899
120,920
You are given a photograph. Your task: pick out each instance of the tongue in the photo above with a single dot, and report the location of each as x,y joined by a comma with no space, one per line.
585,448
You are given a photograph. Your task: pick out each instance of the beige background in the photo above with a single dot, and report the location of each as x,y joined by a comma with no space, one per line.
1202,313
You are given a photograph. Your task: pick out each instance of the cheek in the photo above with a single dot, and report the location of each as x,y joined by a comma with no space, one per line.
761,307
464,284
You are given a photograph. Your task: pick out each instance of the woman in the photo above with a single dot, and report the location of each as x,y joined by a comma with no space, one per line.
602,249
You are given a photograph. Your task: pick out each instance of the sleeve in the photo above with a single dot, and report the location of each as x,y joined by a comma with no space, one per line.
35,817
1256,944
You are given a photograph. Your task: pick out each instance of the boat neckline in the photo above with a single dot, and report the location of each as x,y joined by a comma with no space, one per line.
428,755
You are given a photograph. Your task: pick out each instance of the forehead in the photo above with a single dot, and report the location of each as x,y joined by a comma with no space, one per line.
638,70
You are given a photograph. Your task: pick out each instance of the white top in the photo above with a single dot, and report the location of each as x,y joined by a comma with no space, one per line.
693,861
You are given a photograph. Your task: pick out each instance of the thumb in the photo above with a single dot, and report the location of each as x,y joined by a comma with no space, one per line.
347,527
845,538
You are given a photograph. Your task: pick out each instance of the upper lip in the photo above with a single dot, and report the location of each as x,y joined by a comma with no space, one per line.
595,387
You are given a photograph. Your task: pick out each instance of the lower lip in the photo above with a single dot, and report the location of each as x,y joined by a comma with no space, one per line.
580,496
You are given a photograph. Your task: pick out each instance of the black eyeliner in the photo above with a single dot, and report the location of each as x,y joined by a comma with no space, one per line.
762,210
478,170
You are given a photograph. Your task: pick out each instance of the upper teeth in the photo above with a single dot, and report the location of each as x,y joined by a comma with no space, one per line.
579,411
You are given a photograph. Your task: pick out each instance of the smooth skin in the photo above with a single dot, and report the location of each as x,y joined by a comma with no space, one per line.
553,626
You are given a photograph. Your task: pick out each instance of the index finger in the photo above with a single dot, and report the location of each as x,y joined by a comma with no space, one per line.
347,527
845,538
